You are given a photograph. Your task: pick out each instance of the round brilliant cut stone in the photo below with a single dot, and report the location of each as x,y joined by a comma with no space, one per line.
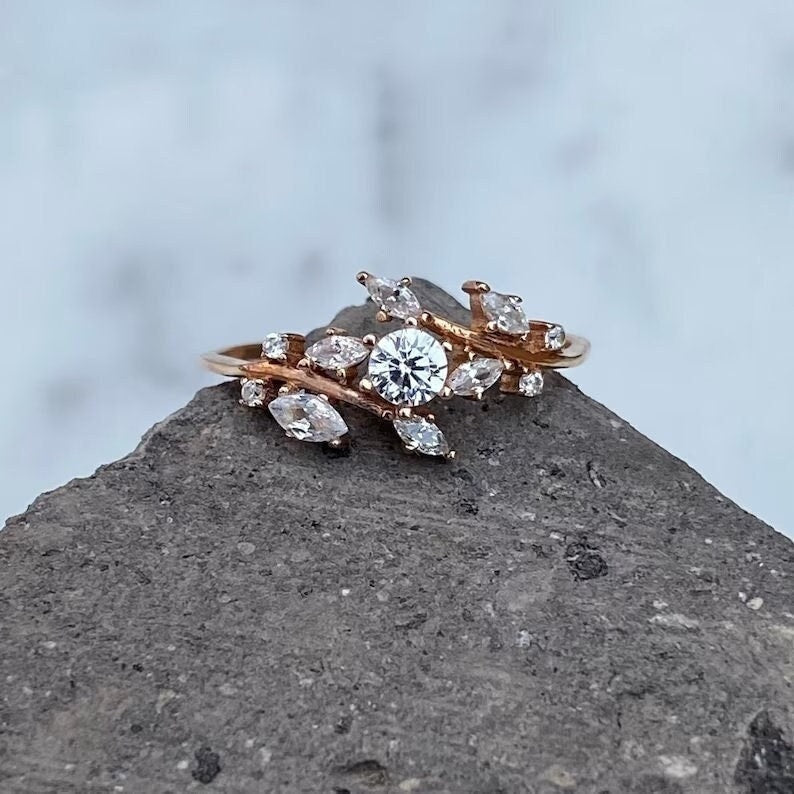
396,299
422,435
555,338
531,383
473,377
252,392
408,367
506,312
274,347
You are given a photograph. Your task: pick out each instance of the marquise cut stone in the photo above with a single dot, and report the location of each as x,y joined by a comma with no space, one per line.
396,299
473,377
337,352
274,347
307,417
408,367
422,435
506,312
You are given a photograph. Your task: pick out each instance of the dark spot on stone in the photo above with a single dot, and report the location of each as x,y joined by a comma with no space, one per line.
556,471
208,765
339,790
484,407
585,562
766,764
495,644
407,622
343,724
136,728
137,667
368,772
467,507
342,451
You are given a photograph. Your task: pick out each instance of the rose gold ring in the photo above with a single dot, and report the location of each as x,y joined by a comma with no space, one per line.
395,376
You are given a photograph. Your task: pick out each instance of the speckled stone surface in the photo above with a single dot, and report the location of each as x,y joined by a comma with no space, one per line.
565,608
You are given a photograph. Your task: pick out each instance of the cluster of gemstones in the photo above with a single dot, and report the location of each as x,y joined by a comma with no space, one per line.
406,368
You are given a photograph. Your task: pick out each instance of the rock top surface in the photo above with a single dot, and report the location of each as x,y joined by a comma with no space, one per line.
565,608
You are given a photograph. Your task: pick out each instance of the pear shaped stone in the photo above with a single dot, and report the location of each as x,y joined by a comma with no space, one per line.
396,299
307,417
422,435
337,352
473,377
506,312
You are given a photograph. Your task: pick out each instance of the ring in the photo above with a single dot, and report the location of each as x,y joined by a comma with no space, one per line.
397,375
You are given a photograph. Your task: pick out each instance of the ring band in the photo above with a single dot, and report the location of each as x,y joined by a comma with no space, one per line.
429,356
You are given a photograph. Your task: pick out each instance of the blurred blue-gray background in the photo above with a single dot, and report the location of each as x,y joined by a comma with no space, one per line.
176,176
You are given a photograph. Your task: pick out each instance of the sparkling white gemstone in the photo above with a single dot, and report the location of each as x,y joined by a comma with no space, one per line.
396,299
408,367
274,347
422,435
307,417
555,338
252,392
337,352
531,383
473,377
506,312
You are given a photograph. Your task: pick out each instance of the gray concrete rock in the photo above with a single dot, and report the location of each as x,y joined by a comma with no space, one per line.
565,608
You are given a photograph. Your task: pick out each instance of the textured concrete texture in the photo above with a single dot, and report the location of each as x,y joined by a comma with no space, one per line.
565,608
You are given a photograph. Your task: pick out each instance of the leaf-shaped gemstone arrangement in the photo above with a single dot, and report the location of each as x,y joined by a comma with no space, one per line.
393,297
422,435
473,377
307,417
337,352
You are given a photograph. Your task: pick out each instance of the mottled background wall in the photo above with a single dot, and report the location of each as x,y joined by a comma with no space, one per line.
174,176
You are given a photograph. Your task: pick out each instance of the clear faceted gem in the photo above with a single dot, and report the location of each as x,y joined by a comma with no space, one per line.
252,392
408,367
396,299
337,352
531,384
275,347
506,312
555,338
473,377
307,417
422,435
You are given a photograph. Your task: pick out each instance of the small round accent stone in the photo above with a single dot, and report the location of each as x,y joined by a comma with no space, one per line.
555,338
252,392
408,367
531,383
274,347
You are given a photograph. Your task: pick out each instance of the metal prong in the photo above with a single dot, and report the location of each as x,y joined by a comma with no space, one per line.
477,394
336,443
446,393
404,413
411,446
472,285
447,345
332,331
406,281
304,363
411,322
516,298
451,455
471,355
365,384
285,389
508,365
370,340
382,316
387,416
426,318
491,326
323,397
430,418
362,276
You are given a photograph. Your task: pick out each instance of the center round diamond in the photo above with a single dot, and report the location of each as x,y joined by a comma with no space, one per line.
408,367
